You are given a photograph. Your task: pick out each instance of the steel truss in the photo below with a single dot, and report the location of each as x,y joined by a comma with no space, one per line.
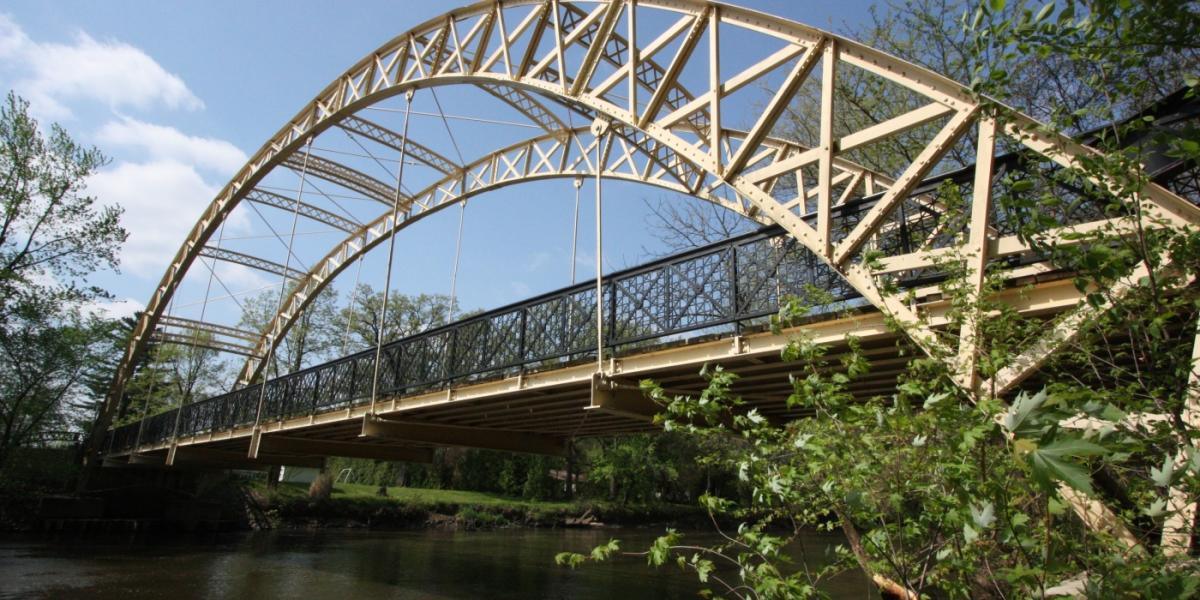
247,260
598,60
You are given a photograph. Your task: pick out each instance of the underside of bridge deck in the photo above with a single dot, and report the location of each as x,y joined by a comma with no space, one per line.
538,409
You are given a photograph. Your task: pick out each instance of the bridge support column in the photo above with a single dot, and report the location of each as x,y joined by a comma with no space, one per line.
622,398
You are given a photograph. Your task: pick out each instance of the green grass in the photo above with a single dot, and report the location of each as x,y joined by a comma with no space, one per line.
433,496
404,507
422,496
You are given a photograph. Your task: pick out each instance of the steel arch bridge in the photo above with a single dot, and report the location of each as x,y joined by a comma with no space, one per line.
654,83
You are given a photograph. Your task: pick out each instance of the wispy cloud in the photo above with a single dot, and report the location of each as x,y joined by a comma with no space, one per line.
162,200
51,75
169,143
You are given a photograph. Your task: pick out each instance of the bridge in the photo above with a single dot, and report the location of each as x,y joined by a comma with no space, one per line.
648,79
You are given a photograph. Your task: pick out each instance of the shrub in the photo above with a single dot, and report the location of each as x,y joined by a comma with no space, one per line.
321,488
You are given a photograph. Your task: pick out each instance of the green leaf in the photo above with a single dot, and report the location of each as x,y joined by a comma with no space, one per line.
1156,509
569,559
1045,12
1061,448
1049,468
1161,476
997,5
1024,406
984,516
969,533
603,551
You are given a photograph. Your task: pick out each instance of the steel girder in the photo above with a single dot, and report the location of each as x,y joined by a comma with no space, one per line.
335,172
213,328
386,137
212,344
646,100
320,215
247,260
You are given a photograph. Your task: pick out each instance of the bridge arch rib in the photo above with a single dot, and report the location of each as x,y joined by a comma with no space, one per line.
664,117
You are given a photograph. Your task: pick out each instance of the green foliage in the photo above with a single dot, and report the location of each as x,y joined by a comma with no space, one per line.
52,238
406,315
315,335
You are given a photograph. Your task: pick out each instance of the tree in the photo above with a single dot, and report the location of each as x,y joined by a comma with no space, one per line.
313,337
44,356
406,315
686,224
174,375
52,237
1051,84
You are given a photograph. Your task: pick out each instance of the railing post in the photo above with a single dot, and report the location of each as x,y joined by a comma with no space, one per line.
524,355
316,391
736,312
669,284
448,364
611,334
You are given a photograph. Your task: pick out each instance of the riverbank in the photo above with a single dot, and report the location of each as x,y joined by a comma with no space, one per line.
361,506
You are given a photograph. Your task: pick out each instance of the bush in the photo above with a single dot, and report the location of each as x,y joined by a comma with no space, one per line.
321,488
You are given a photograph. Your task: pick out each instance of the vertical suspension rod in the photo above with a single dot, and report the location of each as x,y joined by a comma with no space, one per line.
575,228
387,285
462,213
350,307
599,129
283,285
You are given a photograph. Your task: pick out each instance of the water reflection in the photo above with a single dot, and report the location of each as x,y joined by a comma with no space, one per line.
338,564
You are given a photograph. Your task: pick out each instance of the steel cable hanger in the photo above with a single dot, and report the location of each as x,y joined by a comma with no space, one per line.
408,98
283,286
350,305
462,214
600,131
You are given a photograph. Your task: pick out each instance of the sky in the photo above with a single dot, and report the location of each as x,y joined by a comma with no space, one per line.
178,95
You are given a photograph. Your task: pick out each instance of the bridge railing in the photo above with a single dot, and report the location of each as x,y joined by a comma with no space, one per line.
732,282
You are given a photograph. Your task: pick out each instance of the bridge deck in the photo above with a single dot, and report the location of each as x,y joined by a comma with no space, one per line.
538,410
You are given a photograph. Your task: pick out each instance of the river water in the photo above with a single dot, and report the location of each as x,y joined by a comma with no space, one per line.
348,564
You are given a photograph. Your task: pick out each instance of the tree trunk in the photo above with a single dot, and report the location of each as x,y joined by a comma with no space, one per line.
890,588
570,478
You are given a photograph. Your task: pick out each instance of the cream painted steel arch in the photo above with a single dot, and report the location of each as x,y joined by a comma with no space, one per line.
476,45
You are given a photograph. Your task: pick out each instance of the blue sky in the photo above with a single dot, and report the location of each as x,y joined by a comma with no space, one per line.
178,94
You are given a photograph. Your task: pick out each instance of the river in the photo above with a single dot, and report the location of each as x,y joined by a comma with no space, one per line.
346,564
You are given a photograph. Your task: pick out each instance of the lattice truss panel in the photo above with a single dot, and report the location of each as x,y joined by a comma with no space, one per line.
656,77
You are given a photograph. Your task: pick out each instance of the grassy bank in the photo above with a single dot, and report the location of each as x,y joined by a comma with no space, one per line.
354,505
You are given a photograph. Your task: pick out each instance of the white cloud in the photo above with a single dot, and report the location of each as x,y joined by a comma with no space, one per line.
538,261
169,143
240,278
107,71
162,201
114,309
